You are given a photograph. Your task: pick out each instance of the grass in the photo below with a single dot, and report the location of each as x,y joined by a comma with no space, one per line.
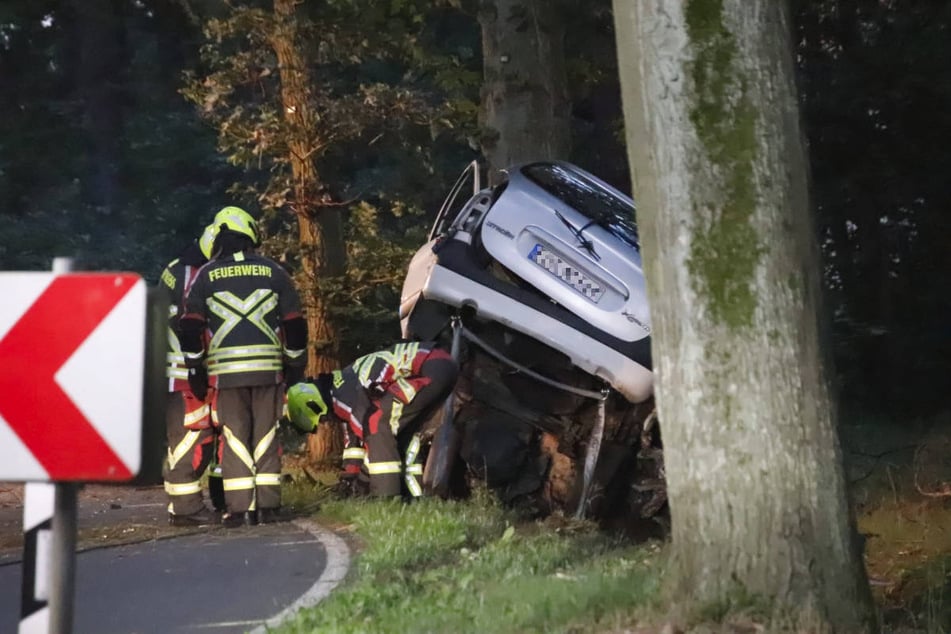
437,566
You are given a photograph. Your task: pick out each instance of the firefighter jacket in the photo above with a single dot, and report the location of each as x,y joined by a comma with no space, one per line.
252,315
176,279
356,390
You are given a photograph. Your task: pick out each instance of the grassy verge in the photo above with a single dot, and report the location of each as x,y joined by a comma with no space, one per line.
438,566
472,567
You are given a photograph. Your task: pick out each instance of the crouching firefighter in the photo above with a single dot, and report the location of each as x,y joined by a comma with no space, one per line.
188,426
382,398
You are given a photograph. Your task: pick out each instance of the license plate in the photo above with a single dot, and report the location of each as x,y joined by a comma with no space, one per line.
566,272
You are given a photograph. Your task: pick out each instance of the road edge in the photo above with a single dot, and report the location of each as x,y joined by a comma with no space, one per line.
338,564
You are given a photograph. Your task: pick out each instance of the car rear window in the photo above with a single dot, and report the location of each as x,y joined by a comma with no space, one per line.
592,199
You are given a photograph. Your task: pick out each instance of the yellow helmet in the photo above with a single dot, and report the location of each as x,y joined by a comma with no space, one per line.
305,406
207,240
238,220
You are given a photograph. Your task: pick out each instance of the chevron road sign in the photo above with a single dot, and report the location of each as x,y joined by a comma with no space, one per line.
72,359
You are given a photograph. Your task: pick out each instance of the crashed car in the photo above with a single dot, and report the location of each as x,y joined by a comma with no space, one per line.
546,268
569,243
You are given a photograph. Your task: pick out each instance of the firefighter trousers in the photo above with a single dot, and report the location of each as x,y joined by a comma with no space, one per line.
392,445
190,450
250,461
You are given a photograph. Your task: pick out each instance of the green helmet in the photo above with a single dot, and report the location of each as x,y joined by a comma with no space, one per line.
238,220
207,240
305,406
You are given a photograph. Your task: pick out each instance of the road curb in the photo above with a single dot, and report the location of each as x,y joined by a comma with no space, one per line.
338,563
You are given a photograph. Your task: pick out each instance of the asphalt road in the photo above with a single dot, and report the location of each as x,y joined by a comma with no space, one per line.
218,582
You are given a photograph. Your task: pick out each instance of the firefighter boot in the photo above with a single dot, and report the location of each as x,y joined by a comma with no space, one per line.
204,517
237,520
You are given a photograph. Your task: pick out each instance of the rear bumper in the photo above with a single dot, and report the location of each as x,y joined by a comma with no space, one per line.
632,379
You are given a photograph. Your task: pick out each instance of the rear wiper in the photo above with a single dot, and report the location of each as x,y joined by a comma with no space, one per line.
583,242
616,228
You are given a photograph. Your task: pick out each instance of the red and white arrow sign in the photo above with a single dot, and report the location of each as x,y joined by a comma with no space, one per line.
72,359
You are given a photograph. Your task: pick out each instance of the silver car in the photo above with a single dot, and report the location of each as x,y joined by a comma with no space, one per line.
551,253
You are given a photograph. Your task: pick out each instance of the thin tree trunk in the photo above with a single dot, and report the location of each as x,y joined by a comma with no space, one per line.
321,235
525,108
757,490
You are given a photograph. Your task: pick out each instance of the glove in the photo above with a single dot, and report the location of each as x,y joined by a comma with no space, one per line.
198,382
293,374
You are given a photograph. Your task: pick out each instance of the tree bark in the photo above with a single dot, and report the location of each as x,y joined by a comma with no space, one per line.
321,233
525,114
755,480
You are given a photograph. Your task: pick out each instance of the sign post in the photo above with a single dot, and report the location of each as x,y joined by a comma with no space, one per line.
63,557
65,519
72,346
39,503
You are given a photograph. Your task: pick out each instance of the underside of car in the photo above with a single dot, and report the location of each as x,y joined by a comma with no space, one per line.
537,286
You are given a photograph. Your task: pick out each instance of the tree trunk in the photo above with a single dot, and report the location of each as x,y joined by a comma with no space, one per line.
525,113
755,480
321,234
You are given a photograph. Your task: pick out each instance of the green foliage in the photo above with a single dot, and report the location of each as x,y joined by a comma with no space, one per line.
435,566
365,300
390,103
162,165
367,96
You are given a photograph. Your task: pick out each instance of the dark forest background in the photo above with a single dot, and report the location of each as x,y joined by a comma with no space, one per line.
125,124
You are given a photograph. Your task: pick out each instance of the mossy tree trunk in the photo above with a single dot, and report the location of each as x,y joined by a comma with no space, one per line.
525,113
322,249
755,480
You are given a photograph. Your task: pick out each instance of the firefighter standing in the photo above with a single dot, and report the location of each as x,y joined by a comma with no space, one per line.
382,398
191,439
250,310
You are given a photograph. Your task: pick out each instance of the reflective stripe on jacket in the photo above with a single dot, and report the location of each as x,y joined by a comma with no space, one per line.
394,370
243,299
176,280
